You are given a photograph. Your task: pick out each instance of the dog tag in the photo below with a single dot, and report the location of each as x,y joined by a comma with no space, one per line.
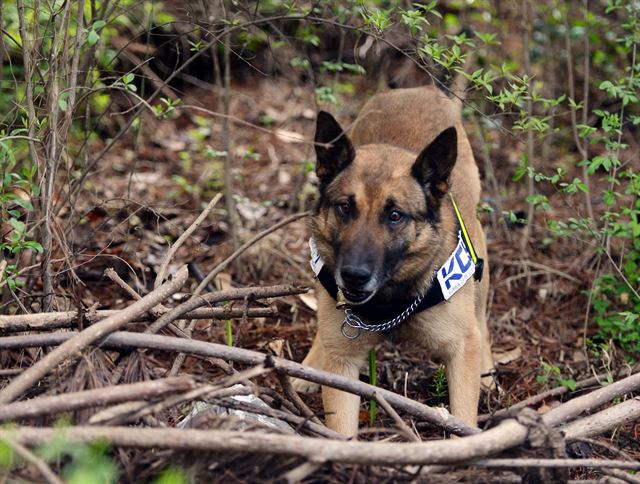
316,261
457,270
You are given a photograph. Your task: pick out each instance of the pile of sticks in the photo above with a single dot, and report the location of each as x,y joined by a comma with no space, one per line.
536,441
548,433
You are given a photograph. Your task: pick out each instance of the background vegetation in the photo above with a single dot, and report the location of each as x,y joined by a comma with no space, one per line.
119,120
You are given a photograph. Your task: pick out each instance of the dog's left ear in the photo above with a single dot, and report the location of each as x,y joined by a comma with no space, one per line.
434,164
334,150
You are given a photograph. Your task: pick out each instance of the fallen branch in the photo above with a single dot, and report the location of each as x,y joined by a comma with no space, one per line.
111,273
505,436
240,355
621,476
553,392
584,403
121,339
51,405
109,414
198,393
250,293
66,319
598,423
72,348
294,398
11,371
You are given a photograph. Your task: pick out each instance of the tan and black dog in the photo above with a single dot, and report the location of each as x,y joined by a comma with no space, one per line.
397,246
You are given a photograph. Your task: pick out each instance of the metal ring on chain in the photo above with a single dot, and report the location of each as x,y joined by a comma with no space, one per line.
352,320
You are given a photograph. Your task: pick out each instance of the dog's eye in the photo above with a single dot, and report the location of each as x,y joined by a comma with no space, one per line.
344,208
395,216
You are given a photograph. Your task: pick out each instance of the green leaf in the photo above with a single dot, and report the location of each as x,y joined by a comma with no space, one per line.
33,245
6,454
229,332
172,476
569,384
93,38
17,225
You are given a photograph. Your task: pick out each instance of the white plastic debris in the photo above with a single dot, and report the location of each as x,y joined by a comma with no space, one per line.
202,409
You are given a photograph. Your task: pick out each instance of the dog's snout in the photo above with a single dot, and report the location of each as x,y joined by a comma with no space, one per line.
355,276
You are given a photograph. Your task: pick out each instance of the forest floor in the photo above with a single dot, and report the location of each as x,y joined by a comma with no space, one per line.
152,186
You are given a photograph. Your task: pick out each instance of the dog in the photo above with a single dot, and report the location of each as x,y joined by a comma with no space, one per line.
397,246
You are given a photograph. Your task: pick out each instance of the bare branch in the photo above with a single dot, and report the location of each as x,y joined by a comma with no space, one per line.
98,397
506,435
575,407
598,423
67,319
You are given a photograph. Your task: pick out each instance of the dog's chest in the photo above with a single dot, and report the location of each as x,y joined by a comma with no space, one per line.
437,329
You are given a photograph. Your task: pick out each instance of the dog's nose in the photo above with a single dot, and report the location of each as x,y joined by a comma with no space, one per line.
355,276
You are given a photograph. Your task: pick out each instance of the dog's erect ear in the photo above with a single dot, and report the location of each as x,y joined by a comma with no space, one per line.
433,166
334,150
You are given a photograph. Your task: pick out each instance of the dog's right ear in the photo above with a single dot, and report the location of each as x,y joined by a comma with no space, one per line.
334,150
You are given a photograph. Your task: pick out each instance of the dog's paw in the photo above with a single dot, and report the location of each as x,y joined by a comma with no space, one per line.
304,386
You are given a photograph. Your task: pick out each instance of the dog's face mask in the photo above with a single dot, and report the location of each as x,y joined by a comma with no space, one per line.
377,218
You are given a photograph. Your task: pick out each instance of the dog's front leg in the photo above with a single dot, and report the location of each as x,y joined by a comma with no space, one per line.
314,359
463,377
342,408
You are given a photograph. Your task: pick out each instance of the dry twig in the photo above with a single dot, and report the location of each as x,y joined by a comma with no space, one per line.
220,267
250,293
600,422
293,396
553,392
402,426
162,273
67,319
518,463
51,405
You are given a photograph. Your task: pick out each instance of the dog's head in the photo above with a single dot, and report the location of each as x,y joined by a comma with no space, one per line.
377,218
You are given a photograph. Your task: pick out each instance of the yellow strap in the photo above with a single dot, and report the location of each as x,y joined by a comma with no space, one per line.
464,230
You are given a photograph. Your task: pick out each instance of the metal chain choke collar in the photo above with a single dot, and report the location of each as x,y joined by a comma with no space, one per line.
354,321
